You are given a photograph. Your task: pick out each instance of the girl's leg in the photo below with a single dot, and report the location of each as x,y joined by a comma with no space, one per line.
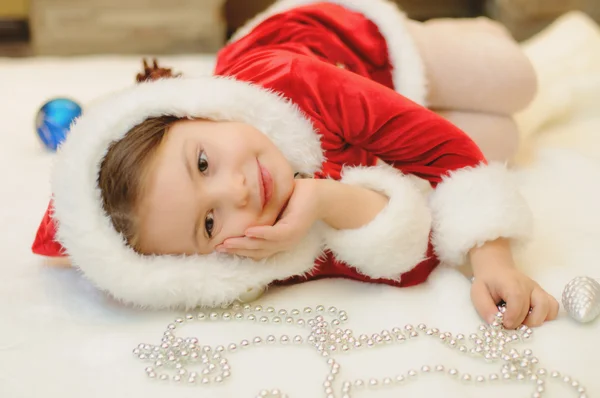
473,65
496,135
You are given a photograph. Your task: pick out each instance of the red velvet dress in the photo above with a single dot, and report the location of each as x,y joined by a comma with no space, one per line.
333,63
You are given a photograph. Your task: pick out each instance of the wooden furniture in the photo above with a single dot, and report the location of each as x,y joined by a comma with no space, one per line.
14,9
524,18
69,27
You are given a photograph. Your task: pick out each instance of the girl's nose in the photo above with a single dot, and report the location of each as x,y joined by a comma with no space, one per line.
238,191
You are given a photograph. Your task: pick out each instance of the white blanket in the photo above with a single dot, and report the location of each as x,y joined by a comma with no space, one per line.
59,337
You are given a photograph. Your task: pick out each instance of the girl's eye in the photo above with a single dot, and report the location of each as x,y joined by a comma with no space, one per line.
209,224
202,162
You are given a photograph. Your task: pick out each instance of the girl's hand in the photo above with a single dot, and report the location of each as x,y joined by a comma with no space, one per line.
264,241
497,279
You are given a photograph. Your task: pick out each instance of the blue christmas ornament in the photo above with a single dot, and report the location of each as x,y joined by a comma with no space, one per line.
54,120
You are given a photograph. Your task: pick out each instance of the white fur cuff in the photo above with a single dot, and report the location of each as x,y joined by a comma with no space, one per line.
473,206
396,240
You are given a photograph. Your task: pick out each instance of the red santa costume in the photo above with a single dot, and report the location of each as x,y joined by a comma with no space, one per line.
336,86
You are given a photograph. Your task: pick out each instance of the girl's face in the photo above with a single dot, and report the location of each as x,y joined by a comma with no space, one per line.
207,182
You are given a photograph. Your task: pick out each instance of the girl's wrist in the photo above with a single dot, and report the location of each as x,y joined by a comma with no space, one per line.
491,255
325,196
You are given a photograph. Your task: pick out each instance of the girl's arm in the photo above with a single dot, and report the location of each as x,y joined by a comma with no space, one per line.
471,203
344,206
475,208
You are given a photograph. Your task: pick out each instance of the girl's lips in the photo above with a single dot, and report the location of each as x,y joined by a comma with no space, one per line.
266,185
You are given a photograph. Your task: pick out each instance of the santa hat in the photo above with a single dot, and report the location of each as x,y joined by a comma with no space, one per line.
77,226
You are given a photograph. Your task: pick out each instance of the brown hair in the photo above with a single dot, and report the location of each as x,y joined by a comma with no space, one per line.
121,174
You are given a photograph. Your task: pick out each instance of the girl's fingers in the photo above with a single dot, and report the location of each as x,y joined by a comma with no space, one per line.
244,244
263,232
277,232
517,307
539,308
554,308
483,301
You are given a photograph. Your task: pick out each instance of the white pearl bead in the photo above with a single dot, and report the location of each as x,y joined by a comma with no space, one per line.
542,372
540,389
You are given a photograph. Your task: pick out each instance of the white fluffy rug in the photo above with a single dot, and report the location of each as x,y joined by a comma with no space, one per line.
59,337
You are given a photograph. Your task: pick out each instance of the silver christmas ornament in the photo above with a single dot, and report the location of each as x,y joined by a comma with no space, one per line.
581,299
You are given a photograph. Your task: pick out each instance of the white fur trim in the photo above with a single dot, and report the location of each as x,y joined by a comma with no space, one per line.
475,205
170,281
408,71
396,240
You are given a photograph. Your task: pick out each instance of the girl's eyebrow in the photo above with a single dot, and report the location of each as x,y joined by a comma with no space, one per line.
186,159
188,162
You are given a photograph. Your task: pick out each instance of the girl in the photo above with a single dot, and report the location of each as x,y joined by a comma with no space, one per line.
308,154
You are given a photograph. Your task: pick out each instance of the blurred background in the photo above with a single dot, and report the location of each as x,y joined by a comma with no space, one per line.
84,27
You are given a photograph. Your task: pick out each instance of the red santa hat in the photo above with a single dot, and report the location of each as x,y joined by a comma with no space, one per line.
76,224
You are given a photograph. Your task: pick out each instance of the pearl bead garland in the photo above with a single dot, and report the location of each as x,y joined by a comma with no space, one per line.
172,357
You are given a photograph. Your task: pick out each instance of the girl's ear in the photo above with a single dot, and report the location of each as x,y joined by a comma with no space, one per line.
154,72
